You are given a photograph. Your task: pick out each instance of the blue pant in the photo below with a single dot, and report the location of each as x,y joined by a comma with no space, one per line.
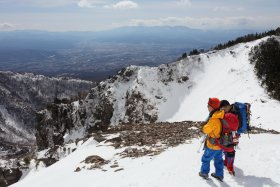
208,155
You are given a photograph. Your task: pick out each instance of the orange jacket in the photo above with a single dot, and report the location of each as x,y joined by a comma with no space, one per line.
213,128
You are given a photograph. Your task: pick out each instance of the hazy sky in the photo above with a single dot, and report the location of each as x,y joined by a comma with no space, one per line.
91,15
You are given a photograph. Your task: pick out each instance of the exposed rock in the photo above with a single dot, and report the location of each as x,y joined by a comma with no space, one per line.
77,169
95,162
119,169
257,130
125,73
47,161
114,140
9,176
52,125
185,78
98,137
103,113
114,166
94,159
138,108
135,153
170,134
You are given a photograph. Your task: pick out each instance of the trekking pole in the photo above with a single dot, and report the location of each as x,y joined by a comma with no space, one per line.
202,141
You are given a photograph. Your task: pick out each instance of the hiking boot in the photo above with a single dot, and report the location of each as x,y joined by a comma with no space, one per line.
232,173
217,177
203,175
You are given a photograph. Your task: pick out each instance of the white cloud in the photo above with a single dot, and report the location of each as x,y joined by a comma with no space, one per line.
6,26
123,5
221,9
240,9
41,3
184,2
90,3
203,22
85,4
227,9
56,3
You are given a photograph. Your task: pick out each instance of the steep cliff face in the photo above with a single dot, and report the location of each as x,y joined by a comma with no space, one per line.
21,95
9,176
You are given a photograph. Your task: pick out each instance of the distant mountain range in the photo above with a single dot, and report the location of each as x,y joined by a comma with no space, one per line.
33,39
96,55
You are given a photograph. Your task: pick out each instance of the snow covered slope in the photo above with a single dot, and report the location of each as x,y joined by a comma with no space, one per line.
177,166
228,74
179,91
174,92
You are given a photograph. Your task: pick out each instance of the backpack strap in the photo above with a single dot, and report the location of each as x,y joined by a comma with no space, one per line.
225,125
214,141
248,111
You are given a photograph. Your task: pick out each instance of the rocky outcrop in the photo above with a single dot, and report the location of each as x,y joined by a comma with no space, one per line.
170,134
52,125
59,119
138,108
9,176
128,97
47,161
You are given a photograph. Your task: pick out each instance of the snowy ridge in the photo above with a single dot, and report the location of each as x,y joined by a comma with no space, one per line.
135,95
159,88
229,75
174,92
171,92
179,91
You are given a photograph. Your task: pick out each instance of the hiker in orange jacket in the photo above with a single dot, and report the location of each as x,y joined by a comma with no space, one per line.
213,129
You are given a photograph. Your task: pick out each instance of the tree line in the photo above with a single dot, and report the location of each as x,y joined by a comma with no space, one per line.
266,60
230,43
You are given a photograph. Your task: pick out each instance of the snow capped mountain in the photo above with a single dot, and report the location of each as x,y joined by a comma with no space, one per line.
70,135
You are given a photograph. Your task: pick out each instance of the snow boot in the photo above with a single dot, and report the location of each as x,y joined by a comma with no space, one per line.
217,177
231,170
203,175
232,173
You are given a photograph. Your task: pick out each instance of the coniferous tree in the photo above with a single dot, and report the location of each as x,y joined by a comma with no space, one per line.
194,52
266,58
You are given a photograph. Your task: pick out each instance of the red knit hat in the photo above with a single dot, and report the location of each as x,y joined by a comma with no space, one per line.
214,103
